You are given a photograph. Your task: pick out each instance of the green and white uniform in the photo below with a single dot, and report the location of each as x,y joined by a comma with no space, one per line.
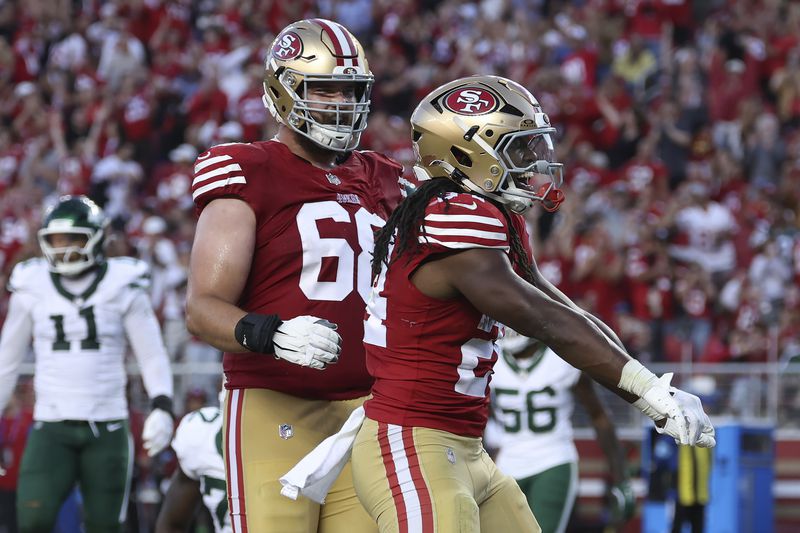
81,329
532,405
198,445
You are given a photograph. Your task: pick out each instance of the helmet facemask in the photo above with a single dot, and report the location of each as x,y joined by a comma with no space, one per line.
531,173
332,125
62,259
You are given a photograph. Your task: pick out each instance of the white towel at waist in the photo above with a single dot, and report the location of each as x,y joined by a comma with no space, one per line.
315,473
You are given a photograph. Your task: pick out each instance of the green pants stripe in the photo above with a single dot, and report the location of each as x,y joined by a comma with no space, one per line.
551,495
97,456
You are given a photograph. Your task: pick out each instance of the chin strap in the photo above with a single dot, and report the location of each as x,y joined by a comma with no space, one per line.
552,199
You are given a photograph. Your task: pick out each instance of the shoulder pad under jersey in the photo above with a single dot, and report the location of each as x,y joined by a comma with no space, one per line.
26,276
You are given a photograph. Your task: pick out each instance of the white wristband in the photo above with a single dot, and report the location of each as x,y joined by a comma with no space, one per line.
648,410
635,378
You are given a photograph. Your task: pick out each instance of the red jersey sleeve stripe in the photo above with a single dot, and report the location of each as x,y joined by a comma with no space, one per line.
465,232
473,219
217,184
227,169
460,245
211,161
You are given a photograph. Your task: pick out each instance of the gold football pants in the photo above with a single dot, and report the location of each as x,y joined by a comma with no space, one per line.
266,434
420,480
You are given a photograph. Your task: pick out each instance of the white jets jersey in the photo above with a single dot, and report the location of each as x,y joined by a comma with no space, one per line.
198,445
531,414
80,340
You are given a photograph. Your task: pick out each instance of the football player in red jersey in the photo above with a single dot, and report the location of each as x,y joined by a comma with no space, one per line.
452,266
281,259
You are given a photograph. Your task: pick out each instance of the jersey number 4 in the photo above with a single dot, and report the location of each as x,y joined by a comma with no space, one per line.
89,343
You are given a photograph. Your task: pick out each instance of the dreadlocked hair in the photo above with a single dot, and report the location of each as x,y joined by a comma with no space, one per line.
518,255
407,220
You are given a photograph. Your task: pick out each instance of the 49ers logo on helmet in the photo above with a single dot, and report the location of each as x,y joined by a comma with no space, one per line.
287,46
470,101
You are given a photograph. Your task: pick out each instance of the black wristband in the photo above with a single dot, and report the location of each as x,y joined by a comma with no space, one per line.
164,403
255,332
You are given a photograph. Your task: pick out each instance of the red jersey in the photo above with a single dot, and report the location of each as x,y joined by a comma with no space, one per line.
314,242
431,358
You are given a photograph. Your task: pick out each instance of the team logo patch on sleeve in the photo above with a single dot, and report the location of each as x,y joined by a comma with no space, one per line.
471,101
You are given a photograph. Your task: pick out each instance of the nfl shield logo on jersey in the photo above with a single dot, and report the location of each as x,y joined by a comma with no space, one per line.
333,179
286,431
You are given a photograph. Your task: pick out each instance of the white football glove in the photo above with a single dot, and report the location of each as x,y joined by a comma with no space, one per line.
157,431
686,422
698,420
307,341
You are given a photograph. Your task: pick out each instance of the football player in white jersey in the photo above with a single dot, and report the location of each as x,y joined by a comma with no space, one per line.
533,396
200,473
81,311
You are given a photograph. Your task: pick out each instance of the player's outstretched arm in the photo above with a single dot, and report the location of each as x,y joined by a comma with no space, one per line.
180,504
222,254
485,277
555,293
684,399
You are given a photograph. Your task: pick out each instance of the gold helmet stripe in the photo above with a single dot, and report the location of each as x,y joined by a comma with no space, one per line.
344,49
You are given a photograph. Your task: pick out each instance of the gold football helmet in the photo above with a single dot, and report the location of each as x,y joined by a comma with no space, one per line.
490,135
310,51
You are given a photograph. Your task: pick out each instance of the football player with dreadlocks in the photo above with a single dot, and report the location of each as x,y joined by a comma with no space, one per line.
82,311
452,266
281,257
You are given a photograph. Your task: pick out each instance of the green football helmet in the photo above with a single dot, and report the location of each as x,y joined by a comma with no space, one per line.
81,218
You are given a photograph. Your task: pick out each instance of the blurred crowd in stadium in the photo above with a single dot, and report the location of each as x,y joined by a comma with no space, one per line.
679,127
